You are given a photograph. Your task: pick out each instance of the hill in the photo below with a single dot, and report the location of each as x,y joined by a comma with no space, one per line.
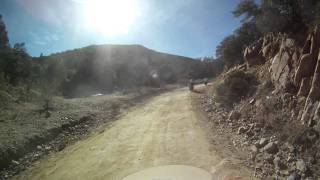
108,68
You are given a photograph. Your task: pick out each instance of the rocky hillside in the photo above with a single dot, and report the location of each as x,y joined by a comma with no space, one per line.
107,68
292,69
277,117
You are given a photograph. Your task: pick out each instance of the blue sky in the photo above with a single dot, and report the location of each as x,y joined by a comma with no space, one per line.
190,28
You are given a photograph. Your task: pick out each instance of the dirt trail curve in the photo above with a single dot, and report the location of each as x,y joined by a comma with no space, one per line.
163,131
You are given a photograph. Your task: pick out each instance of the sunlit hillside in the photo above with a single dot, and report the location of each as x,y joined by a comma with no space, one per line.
109,68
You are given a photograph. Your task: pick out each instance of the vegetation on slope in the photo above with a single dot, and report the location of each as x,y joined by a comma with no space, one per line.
276,16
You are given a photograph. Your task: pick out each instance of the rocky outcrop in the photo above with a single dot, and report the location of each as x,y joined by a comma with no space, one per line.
305,68
280,121
270,45
309,57
304,87
253,54
292,68
315,87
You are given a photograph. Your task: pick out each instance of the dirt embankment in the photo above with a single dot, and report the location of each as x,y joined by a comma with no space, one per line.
165,130
26,135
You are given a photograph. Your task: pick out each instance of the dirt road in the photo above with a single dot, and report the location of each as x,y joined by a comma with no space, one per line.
166,130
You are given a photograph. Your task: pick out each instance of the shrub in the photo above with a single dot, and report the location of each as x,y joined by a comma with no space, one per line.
5,99
236,85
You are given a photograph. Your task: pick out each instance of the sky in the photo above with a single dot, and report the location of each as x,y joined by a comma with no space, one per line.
191,28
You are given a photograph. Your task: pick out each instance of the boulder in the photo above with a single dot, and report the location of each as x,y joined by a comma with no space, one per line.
269,38
316,116
254,149
270,49
295,58
308,112
234,115
268,158
304,87
301,165
294,176
263,142
315,44
307,46
271,148
280,69
315,87
314,93
241,130
278,163
289,147
253,55
287,43
266,51
306,68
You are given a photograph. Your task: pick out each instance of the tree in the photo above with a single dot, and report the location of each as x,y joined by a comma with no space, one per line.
248,8
288,16
4,40
230,50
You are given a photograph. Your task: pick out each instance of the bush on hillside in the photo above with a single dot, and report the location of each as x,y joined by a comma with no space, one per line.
236,85
5,99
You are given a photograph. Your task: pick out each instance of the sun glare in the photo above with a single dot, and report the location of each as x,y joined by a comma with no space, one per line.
110,17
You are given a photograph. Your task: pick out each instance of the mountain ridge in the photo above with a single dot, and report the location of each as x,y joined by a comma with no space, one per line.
108,68
122,46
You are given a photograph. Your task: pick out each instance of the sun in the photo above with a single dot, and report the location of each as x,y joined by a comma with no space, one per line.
110,17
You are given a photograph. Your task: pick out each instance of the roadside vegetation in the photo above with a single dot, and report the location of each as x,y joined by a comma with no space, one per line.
234,86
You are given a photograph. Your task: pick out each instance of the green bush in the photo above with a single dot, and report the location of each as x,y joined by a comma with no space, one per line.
236,85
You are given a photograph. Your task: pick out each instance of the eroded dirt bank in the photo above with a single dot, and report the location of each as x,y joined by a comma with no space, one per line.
166,130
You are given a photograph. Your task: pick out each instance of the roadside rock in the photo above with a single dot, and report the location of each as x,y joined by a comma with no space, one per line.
234,115
262,142
253,54
254,149
294,176
315,87
269,158
280,68
301,165
305,68
304,87
278,163
289,147
15,162
241,130
271,148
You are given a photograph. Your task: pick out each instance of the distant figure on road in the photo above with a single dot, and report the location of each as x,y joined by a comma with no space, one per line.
205,81
191,83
